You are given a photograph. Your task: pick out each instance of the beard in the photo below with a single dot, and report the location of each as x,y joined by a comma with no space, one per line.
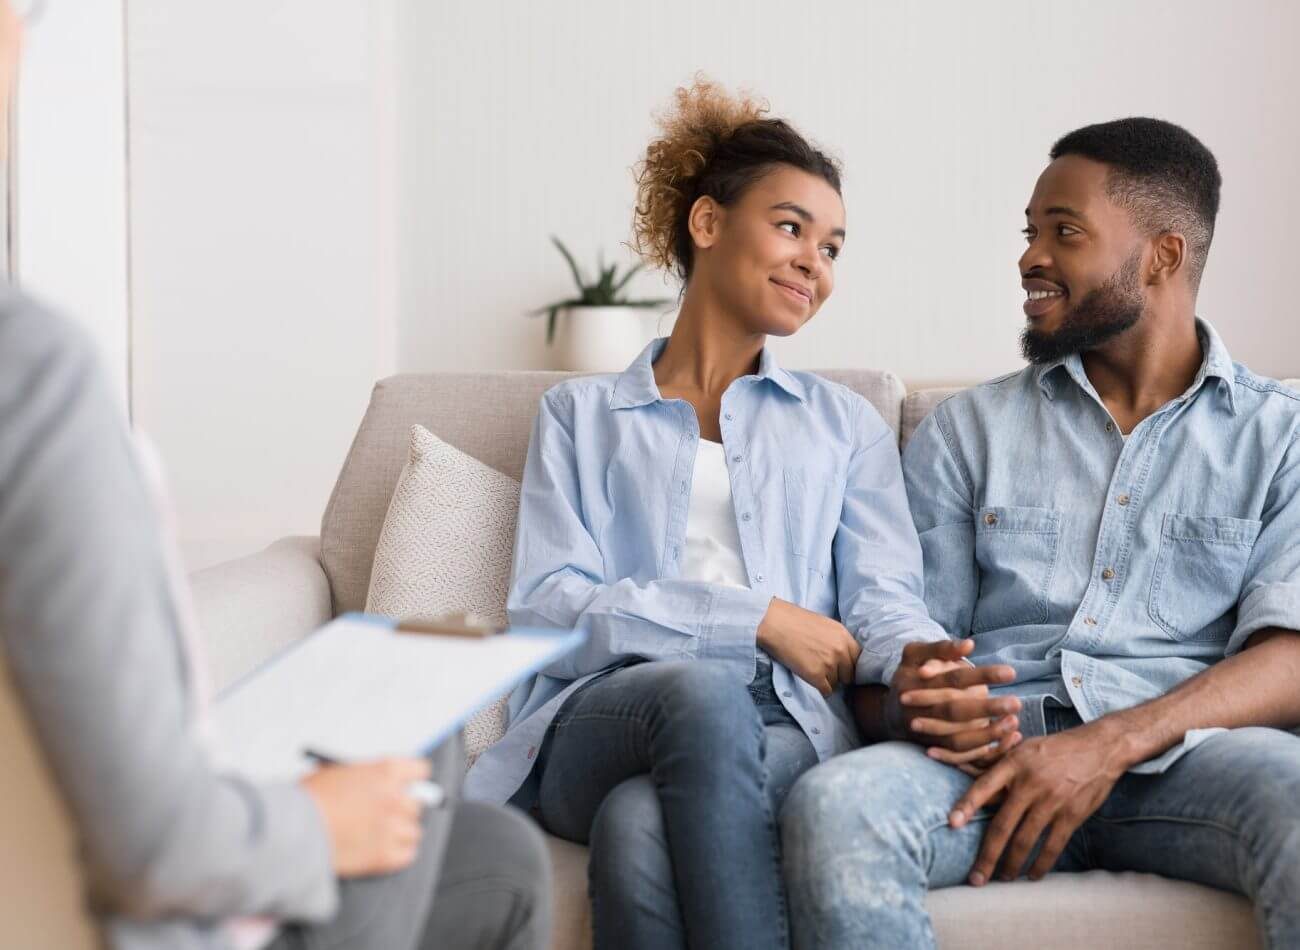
1103,314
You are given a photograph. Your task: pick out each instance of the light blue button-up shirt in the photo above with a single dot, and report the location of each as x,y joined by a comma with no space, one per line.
1106,571
823,523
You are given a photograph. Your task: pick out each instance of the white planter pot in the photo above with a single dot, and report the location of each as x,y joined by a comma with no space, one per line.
601,339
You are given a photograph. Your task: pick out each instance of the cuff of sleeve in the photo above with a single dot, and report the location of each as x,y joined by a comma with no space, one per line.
880,667
734,616
306,837
1269,605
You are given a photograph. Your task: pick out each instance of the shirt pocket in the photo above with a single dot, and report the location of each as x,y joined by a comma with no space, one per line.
1016,550
810,522
1198,574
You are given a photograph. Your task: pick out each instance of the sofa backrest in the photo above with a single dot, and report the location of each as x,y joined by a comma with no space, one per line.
920,404
489,416
486,415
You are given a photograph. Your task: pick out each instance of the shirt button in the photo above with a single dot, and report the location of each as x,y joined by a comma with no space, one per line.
1076,680
728,416
1123,500
759,578
1110,426
990,519
1090,621
816,731
735,458
1107,574
745,516
788,694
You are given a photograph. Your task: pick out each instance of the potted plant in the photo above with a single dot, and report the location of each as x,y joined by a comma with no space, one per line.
599,330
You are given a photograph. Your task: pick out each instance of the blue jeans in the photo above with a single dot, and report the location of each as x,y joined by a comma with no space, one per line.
674,773
867,833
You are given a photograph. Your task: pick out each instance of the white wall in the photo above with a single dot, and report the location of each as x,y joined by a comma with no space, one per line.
260,139
519,120
70,179
325,191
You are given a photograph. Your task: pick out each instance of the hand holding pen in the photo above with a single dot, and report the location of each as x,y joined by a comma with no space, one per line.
372,811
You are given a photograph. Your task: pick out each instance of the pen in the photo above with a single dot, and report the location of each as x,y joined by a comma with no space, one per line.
428,794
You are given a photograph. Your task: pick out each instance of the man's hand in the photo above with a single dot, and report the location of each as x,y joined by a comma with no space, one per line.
1050,784
373,823
817,649
937,700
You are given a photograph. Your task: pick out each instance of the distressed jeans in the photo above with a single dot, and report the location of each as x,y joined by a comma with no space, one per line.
866,834
674,773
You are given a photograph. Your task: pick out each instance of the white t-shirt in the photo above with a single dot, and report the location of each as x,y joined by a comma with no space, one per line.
713,553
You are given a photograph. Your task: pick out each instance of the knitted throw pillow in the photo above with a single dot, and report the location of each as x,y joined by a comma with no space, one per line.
446,546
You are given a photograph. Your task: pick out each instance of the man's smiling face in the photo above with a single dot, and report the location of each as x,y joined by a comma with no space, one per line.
1081,271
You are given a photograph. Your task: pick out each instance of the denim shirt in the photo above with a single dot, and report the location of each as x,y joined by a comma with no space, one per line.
1106,571
823,522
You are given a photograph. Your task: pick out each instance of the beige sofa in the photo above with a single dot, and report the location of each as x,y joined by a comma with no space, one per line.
252,607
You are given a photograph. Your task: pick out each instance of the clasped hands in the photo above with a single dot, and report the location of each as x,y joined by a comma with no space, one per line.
1043,786
935,699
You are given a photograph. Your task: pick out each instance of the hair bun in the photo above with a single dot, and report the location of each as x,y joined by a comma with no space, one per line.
703,115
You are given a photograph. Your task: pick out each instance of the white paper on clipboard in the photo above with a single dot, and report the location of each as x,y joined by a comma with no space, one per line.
357,690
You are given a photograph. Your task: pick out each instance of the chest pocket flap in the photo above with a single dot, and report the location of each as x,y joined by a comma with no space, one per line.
1016,549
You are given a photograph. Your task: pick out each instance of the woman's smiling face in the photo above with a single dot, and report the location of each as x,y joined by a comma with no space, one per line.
770,256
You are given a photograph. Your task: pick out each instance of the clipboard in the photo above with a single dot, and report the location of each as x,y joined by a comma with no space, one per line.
360,688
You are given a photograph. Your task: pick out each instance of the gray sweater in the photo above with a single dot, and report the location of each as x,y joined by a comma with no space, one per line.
91,633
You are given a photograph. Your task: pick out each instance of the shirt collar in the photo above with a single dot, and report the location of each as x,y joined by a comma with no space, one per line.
1216,364
636,385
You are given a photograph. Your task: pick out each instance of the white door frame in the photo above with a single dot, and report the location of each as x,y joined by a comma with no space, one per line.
68,212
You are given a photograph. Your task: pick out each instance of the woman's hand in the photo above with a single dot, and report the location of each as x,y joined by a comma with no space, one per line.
817,649
373,822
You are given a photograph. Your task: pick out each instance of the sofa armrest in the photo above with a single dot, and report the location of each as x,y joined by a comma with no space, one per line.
251,608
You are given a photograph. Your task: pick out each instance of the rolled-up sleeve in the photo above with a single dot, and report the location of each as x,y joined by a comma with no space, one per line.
1270,593
878,557
558,577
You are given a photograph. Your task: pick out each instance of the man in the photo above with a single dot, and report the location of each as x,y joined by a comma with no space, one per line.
1120,523
175,854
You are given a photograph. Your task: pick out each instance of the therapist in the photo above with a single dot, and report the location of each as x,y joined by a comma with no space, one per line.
175,854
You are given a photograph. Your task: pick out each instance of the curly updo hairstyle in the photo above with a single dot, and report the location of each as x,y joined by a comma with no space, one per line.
715,145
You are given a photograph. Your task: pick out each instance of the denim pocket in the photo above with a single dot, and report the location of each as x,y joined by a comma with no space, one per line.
1016,549
1198,574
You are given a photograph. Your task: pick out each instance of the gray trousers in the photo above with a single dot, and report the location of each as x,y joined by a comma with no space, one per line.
482,880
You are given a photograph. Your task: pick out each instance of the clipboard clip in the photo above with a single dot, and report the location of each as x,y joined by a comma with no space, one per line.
457,624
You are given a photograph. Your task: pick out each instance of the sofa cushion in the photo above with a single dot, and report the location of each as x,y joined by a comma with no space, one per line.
485,415
445,546
1119,911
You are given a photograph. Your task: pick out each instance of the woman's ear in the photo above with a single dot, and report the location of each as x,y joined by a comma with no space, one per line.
705,222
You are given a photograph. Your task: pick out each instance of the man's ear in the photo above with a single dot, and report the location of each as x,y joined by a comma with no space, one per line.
1168,258
705,222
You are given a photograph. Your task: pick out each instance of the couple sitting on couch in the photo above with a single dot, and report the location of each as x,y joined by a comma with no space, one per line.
1116,528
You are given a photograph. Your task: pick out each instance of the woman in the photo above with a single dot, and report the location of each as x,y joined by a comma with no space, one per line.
703,516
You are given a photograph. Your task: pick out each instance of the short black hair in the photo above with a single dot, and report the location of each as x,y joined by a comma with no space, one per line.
1160,172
